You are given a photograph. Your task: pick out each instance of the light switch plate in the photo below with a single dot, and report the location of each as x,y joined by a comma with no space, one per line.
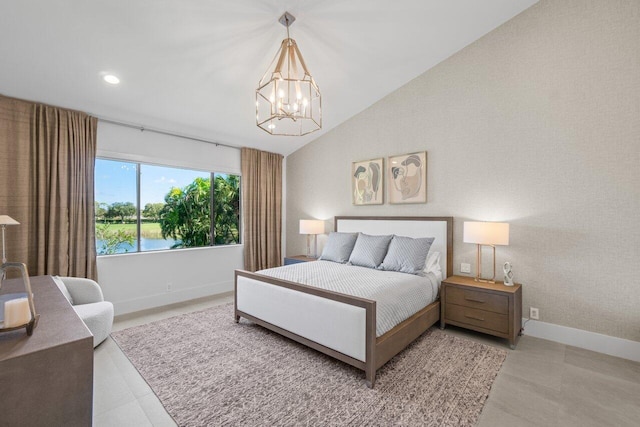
465,268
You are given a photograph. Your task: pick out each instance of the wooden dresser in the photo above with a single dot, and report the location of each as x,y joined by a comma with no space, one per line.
46,379
492,308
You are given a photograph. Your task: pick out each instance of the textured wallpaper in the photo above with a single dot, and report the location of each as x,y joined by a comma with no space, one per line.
536,124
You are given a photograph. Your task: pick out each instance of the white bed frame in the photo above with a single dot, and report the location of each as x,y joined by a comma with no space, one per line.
340,325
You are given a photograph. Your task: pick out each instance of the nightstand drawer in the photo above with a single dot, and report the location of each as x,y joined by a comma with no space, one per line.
471,316
478,299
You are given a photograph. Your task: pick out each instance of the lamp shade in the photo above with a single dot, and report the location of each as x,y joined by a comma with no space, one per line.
7,220
486,233
311,226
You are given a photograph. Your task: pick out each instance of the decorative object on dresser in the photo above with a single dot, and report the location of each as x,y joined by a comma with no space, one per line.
312,227
47,379
295,259
288,101
508,274
492,308
17,310
486,234
367,182
408,178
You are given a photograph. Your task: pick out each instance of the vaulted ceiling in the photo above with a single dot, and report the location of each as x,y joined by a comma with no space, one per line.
192,66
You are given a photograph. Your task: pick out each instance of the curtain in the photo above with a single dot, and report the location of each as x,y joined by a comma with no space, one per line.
262,209
47,159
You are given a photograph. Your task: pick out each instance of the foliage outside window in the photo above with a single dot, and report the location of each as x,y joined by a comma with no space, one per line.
176,207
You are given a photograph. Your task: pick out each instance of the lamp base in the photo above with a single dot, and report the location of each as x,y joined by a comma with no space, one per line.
478,277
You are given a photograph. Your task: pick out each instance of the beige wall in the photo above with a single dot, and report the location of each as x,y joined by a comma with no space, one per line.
536,124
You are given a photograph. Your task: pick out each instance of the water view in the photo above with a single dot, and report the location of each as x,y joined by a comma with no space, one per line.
146,244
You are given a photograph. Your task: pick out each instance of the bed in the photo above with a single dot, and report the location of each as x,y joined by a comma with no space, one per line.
340,325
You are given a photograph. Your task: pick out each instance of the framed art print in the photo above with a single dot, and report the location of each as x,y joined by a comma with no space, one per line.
367,178
407,179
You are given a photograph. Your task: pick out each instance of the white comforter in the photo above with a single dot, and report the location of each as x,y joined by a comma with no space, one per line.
398,295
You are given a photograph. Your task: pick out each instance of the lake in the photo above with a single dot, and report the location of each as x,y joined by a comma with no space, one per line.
145,245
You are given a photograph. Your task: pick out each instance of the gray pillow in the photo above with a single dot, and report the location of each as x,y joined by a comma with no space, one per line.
407,255
369,251
338,247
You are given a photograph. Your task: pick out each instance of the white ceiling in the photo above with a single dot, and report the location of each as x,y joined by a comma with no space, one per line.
192,66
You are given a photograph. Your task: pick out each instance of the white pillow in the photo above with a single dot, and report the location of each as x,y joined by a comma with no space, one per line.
433,263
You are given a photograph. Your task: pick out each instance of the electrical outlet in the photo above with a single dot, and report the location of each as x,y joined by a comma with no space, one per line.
534,313
169,286
465,268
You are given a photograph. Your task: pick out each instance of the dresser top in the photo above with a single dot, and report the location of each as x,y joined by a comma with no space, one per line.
58,325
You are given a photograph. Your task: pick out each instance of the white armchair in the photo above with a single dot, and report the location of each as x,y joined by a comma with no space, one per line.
87,300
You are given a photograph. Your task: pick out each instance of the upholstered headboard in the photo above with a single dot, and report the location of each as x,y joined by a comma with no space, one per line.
412,226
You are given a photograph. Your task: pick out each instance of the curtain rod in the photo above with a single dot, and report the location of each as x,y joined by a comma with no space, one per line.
164,132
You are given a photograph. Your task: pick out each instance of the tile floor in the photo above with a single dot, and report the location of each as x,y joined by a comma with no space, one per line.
541,383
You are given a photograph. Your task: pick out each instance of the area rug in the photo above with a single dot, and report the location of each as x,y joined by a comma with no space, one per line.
207,371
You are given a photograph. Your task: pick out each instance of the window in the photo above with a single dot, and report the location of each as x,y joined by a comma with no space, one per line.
175,207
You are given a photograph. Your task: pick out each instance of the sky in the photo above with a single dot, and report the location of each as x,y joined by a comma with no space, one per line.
115,181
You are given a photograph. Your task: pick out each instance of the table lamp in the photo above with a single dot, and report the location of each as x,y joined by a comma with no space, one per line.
18,309
486,234
311,227
4,221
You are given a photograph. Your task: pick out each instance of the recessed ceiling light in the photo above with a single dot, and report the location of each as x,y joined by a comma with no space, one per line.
111,79
271,126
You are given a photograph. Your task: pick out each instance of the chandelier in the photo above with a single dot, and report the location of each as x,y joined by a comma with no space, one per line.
288,101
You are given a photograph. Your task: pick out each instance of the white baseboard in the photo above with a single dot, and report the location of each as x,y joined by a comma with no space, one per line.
593,341
167,298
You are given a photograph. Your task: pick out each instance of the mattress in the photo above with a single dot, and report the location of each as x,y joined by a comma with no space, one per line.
398,296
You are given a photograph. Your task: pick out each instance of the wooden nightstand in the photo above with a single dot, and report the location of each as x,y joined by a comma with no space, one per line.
492,308
297,258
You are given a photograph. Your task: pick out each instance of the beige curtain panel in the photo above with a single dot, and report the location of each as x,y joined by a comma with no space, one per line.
262,209
47,159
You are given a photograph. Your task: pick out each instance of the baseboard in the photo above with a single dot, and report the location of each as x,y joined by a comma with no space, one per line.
167,298
593,341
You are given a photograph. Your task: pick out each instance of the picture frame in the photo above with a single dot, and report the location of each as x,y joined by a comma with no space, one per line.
367,182
407,178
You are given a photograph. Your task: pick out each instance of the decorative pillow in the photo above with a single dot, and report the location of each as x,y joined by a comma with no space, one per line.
338,247
369,251
407,255
63,288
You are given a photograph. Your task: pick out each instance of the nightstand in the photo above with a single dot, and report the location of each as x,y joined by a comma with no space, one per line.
297,258
491,308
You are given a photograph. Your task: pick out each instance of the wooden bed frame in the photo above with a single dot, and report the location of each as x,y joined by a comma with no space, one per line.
378,350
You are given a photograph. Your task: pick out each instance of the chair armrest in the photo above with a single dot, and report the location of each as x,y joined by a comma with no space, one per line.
83,291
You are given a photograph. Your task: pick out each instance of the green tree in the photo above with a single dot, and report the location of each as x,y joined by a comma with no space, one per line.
185,216
111,241
227,209
101,210
121,210
152,211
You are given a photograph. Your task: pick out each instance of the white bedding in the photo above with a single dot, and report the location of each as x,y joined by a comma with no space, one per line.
398,295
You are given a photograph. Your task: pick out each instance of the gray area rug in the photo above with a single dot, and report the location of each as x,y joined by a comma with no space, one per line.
207,370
